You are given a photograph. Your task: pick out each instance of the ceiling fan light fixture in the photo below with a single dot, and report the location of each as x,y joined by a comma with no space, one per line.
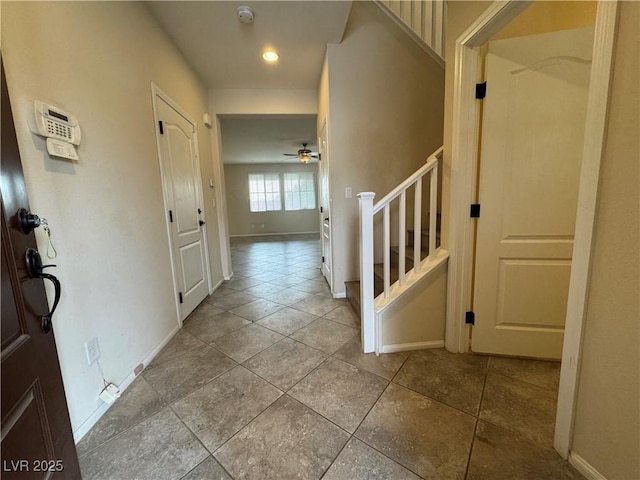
304,154
304,157
270,56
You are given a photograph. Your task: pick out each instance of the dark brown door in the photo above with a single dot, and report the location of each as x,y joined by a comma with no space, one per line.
37,441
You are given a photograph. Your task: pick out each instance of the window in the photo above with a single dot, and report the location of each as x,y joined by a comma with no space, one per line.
299,191
264,192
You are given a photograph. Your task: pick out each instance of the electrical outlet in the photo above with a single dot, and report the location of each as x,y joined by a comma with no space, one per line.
92,349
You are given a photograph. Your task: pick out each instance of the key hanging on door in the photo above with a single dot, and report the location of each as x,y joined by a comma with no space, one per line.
51,250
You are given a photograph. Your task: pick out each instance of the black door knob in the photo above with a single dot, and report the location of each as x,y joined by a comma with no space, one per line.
27,221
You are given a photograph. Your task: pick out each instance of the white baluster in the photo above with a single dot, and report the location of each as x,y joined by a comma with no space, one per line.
367,313
402,232
433,212
386,263
417,226
416,18
427,23
438,25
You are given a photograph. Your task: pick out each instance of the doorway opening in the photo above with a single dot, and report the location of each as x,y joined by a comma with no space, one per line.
531,138
272,176
465,174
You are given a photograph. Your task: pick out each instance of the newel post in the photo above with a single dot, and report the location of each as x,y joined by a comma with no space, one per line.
367,315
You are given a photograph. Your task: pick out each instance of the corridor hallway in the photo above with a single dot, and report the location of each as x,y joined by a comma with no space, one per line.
267,380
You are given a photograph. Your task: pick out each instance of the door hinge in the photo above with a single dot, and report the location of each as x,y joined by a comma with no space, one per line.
481,90
470,318
180,296
170,216
321,209
474,210
161,126
322,259
319,157
199,211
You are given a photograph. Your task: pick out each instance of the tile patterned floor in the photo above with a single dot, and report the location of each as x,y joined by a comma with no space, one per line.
267,380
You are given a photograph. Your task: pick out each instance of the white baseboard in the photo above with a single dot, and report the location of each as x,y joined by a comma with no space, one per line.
228,277
215,287
584,467
88,424
271,234
404,347
339,294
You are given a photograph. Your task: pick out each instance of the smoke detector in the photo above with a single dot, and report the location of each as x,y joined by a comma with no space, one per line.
245,14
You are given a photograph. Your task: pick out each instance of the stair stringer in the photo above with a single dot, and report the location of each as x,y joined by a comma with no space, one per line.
413,316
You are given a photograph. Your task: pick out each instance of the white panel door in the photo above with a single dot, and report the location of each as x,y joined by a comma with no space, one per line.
181,178
325,206
531,151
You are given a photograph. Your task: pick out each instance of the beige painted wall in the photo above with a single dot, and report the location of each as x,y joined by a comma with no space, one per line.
542,17
419,317
323,96
244,222
385,118
106,211
263,101
607,428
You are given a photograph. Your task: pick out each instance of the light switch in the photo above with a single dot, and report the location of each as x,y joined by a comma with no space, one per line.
348,192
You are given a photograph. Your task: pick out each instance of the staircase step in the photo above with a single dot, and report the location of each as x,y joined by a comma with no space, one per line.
424,232
378,277
353,291
424,241
408,263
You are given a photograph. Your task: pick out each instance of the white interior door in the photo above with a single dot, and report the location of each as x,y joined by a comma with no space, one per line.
177,146
325,206
532,140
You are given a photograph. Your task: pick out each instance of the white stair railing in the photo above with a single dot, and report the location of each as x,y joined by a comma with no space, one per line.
367,213
423,20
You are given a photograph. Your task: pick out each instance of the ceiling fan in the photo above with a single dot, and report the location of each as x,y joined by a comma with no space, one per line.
304,154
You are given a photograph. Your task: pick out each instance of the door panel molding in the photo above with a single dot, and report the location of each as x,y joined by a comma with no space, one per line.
542,293
466,121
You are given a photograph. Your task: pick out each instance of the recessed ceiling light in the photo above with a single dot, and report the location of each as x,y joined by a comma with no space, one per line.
270,56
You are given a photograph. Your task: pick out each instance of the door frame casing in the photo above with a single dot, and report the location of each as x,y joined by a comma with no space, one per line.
466,123
156,93
325,167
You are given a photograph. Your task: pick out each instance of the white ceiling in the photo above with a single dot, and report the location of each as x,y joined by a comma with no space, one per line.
227,53
264,138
